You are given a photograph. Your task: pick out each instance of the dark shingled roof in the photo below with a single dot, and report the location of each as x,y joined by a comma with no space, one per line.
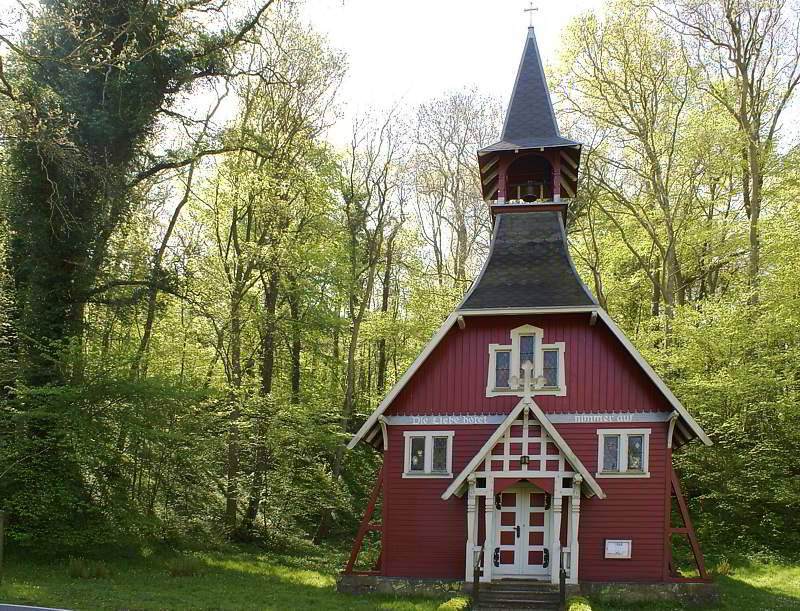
529,266
530,120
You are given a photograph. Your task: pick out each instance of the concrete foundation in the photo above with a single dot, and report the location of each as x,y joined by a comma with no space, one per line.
690,594
366,584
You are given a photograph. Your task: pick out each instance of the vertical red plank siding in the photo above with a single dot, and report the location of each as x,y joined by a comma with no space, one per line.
633,509
425,536
601,375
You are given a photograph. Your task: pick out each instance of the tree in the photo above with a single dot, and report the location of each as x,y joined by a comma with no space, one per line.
449,204
87,86
748,53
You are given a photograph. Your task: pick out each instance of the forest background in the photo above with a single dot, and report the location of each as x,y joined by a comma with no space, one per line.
199,309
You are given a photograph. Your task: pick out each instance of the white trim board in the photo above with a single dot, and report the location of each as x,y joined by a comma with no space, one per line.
583,417
558,440
673,400
693,427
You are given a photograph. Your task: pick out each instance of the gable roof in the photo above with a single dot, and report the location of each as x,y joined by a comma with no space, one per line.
530,120
528,266
687,427
588,481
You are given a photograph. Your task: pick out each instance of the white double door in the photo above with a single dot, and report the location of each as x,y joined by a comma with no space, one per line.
522,532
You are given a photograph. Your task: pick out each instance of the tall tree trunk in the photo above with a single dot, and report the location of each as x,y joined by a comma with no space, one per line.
296,345
756,179
261,461
232,466
387,281
139,365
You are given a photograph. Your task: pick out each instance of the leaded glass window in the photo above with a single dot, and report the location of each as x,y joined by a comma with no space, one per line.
527,352
611,453
440,454
502,369
636,453
550,368
417,454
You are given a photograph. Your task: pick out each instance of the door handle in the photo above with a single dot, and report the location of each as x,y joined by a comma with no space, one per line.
546,559
517,527
496,556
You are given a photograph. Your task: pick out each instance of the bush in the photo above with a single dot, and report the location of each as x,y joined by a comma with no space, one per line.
79,568
723,567
578,603
185,566
455,604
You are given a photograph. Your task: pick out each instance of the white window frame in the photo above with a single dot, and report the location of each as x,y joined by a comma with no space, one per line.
538,366
623,453
491,384
428,471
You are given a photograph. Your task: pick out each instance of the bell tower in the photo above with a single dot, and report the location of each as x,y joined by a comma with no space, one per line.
532,166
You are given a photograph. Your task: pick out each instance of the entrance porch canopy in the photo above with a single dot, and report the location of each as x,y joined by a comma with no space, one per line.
589,485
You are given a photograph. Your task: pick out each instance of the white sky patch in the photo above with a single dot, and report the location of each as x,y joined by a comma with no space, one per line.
412,50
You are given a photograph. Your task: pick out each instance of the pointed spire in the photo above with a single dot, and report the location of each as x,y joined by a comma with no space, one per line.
530,120
530,111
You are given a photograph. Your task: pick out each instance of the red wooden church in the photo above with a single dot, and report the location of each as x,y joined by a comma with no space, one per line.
529,434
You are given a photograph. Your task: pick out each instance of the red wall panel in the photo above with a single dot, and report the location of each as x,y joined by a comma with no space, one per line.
633,509
425,536
601,375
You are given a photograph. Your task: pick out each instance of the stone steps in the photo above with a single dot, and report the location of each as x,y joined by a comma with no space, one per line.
518,594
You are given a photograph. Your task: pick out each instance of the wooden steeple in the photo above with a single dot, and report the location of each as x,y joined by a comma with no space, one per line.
532,163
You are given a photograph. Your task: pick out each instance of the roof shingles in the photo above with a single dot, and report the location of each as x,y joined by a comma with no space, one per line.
529,266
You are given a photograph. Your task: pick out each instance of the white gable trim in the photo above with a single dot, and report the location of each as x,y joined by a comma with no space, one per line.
437,337
562,445
451,320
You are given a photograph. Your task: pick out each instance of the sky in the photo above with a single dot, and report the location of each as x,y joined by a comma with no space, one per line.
413,50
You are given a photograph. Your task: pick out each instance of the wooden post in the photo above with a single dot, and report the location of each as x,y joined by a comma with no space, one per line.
472,539
367,526
575,514
488,546
557,177
555,537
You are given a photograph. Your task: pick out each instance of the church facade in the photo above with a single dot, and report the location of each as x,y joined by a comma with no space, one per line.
529,436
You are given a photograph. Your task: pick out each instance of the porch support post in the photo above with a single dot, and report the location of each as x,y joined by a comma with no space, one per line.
555,537
472,530
488,546
575,515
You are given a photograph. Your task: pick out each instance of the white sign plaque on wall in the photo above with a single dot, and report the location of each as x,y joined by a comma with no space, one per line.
618,548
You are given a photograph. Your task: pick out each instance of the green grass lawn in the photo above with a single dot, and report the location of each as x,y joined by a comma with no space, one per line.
227,580
753,587
256,580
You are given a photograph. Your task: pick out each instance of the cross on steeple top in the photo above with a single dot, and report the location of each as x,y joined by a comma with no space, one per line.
530,10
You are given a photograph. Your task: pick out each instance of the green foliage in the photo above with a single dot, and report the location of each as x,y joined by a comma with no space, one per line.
578,603
185,566
458,603
205,392
131,461
79,568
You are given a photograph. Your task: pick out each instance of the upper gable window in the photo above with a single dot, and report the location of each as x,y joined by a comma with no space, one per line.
502,368
623,452
527,351
506,371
